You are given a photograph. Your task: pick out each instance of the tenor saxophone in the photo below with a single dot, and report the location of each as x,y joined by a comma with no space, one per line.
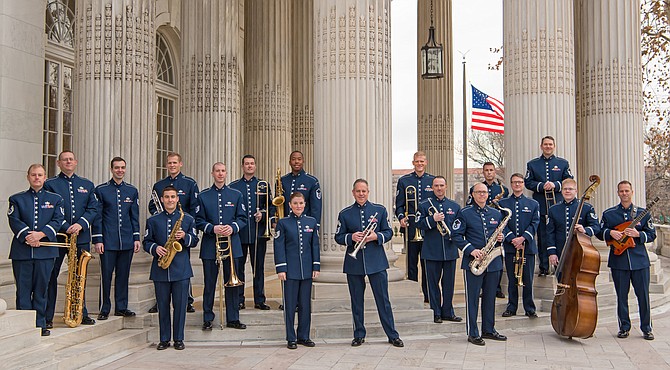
172,245
492,249
76,284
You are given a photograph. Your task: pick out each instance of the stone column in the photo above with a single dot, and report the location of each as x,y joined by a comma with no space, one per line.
115,98
352,116
609,88
539,80
435,109
267,93
212,49
302,114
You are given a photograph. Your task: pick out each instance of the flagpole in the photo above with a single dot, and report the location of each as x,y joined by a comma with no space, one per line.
465,135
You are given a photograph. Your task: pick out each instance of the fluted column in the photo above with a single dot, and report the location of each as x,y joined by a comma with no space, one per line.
267,93
352,116
609,88
114,89
539,80
212,47
435,110
302,113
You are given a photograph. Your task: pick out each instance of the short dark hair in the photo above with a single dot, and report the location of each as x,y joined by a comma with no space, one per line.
488,164
296,151
174,154
248,156
296,194
66,151
364,181
516,174
548,137
169,188
624,182
440,177
116,159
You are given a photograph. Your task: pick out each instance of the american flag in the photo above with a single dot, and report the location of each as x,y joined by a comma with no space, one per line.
488,114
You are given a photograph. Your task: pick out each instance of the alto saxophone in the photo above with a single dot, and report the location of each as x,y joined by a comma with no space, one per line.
76,284
492,249
172,245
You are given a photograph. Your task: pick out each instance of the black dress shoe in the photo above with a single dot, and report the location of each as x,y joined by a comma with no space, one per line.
50,325
207,325
306,342
45,332
437,319
543,272
357,342
452,318
124,313
162,345
508,313
236,325
242,306
262,306
500,295
281,307
648,335
291,345
179,345
154,309
532,314
189,308
425,300
495,336
87,320
397,342
103,316
622,334
478,341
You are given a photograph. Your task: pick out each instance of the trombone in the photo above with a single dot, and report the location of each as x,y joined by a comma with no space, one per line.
411,197
441,225
549,198
263,198
372,225
157,202
224,250
65,244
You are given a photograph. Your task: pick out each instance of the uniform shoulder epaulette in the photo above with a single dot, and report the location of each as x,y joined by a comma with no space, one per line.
346,208
205,190
312,177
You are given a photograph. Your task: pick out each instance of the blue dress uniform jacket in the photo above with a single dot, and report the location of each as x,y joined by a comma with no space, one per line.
296,246
472,229
524,222
541,170
494,188
424,189
187,190
34,211
560,219
247,188
309,186
435,246
158,230
118,225
220,206
79,203
371,258
632,258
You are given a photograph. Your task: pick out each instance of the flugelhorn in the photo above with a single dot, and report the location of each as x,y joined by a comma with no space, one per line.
372,225
441,225
411,197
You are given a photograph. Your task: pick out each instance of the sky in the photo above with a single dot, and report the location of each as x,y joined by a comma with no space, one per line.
474,33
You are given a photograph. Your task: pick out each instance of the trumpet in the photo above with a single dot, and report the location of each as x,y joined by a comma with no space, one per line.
411,197
262,197
224,250
441,225
372,225
519,261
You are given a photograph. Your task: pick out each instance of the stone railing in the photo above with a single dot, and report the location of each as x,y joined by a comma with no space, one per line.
662,242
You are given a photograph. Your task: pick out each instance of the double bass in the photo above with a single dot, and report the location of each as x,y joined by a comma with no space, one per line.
574,311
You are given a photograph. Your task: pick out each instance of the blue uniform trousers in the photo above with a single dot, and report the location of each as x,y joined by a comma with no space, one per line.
32,278
177,291
258,270
380,290
118,262
297,292
413,259
52,292
486,283
512,287
542,253
231,295
640,280
441,273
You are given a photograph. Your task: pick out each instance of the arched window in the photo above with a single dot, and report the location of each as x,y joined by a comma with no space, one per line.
167,93
60,22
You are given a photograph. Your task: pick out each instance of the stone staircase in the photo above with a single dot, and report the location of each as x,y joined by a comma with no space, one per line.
21,346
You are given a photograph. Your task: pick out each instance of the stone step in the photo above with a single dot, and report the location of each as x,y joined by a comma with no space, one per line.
85,353
141,297
660,287
17,321
63,336
29,357
17,341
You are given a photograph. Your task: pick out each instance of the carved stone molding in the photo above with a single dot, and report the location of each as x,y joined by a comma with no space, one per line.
435,133
210,86
613,88
268,109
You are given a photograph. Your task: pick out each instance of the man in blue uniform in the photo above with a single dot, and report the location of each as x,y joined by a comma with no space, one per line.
438,251
81,209
251,236
632,266
543,177
170,283
220,211
520,235
308,185
495,187
116,236
34,215
422,182
370,260
297,262
560,219
187,189
472,229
